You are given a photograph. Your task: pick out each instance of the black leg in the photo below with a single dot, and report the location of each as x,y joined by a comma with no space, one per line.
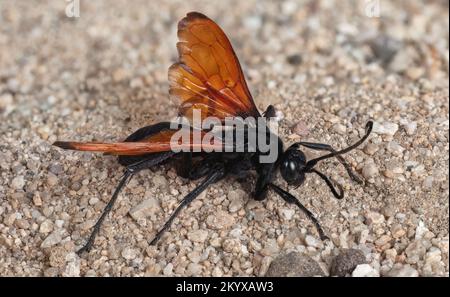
339,195
129,172
185,165
265,173
215,175
200,169
289,198
87,247
329,148
313,162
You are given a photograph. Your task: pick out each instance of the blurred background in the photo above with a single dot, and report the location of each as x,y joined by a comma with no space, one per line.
97,70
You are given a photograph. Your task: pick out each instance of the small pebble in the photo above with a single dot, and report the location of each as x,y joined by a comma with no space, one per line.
198,235
383,240
400,270
168,270
375,218
46,226
340,129
415,251
18,182
386,128
312,241
371,148
410,128
397,231
236,198
52,180
395,148
365,270
301,129
220,220
295,59
370,170
145,209
129,253
72,268
52,239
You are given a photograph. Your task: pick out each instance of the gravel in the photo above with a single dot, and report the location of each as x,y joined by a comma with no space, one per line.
327,68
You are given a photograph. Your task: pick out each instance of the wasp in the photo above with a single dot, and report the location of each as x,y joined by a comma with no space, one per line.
208,79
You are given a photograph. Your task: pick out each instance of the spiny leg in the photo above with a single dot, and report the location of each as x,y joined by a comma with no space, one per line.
329,148
337,195
184,166
125,178
129,172
213,176
200,168
289,198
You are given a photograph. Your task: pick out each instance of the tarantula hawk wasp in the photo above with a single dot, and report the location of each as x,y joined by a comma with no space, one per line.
209,78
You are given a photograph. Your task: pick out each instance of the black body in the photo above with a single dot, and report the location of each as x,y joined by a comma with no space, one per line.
213,167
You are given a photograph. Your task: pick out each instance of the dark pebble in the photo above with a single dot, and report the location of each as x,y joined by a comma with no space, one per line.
295,59
346,262
294,264
56,168
384,48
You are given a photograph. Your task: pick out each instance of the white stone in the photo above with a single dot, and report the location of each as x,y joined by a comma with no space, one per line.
288,214
370,170
312,241
194,269
395,148
236,198
385,128
18,182
194,256
159,180
373,217
129,253
365,270
145,209
46,226
168,270
53,239
72,268
197,235
420,230
410,128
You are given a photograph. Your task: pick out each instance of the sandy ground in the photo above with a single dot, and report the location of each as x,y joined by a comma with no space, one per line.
328,68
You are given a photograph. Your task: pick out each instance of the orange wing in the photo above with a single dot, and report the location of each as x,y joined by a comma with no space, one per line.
208,76
160,142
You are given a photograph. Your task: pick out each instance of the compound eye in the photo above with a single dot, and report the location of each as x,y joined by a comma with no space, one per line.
289,171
